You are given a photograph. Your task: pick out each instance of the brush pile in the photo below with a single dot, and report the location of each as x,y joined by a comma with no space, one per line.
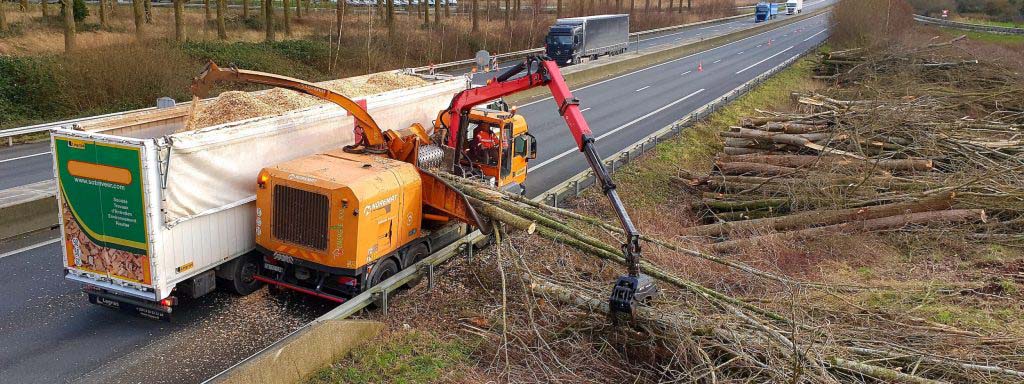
925,142
714,335
914,150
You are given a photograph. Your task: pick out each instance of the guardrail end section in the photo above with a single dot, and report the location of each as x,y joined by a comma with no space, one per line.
304,352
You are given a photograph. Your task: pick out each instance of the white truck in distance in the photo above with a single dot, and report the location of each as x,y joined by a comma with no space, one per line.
794,7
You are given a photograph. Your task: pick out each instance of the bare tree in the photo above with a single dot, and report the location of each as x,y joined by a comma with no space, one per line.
140,29
426,13
632,7
287,18
206,9
339,16
476,16
558,9
689,4
69,25
268,13
23,5
179,20
103,13
3,17
508,20
222,9
298,9
389,20
437,13
46,9
148,7
245,9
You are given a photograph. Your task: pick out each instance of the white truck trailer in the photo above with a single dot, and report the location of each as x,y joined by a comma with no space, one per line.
149,216
794,7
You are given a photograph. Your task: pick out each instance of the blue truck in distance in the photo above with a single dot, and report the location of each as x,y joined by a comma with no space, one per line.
766,11
571,40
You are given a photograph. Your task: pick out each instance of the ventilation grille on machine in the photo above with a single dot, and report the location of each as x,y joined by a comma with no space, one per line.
301,217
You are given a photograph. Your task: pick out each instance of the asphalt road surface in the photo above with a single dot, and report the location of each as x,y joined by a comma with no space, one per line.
49,333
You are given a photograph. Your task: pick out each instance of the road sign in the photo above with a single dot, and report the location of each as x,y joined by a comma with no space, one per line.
482,58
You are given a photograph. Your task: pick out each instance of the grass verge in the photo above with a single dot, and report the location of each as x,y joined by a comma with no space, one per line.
399,357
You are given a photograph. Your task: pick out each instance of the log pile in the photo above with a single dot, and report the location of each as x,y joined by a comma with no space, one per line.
893,151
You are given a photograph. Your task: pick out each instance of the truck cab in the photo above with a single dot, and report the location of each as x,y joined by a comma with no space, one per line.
505,163
563,42
794,7
765,11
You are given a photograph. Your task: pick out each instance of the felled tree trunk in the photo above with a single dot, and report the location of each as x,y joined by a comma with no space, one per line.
817,218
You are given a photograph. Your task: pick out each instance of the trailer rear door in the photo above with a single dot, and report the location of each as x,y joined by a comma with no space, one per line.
103,209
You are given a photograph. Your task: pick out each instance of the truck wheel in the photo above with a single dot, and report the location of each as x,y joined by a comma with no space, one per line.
243,281
418,253
384,271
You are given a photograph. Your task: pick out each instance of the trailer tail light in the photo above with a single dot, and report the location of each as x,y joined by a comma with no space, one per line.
346,280
169,302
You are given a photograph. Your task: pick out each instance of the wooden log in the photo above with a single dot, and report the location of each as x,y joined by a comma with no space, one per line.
796,161
760,169
890,222
791,127
750,143
743,215
785,138
824,217
742,205
747,151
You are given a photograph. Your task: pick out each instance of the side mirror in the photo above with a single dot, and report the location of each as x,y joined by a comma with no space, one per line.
531,147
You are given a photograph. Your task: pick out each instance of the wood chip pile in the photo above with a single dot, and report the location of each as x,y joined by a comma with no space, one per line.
237,105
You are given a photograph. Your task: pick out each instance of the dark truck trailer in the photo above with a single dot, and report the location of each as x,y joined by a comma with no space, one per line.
570,40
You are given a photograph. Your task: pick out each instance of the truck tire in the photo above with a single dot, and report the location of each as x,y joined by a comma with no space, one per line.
417,253
243,281
384,270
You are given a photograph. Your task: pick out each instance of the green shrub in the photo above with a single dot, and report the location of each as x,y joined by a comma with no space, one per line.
29,89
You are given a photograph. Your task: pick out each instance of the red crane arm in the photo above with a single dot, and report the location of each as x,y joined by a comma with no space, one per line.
547,74
628,290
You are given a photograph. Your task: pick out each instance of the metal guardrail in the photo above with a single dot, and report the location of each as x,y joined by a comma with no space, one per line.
968,26
10,134
633,36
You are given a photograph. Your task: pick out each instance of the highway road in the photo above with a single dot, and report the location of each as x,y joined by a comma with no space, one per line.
49,333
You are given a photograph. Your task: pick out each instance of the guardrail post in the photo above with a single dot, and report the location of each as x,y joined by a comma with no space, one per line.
384,301
10,141
576,188
430,277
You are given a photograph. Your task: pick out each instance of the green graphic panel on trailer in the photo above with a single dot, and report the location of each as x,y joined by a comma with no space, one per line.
102,185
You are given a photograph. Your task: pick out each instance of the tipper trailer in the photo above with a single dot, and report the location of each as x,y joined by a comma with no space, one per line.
149,216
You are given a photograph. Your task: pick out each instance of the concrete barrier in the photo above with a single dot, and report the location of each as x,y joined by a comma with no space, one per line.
27,208
306,351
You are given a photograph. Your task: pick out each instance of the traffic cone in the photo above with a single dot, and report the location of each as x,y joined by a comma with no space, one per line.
700,66
769,42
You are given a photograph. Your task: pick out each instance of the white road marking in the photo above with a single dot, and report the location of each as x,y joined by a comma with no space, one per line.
759,45
665,63
766,59
816,34
642,88
30,247
584,109
624,126
24,157
717,61
739,53
685,73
